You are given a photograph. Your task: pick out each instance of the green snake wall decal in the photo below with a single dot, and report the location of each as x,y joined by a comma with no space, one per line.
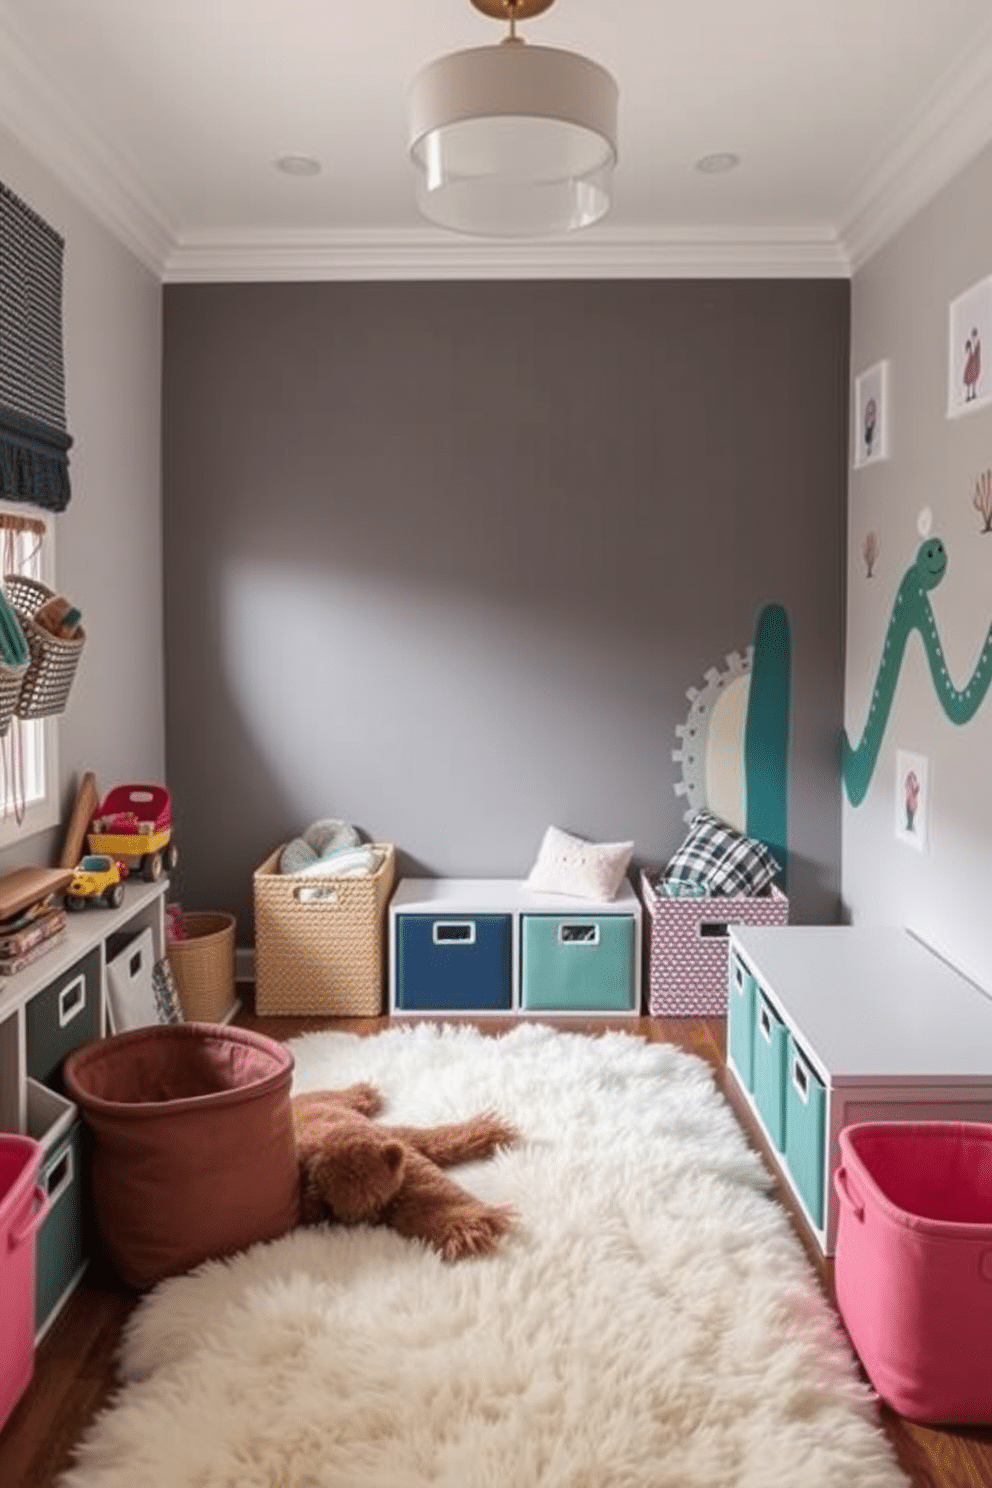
912,611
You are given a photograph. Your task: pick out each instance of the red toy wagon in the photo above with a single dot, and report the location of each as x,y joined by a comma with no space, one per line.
134,825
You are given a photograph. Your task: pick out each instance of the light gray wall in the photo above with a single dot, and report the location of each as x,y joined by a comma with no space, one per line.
443,559
109,539
900,303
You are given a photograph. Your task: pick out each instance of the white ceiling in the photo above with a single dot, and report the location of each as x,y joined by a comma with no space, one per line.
166,118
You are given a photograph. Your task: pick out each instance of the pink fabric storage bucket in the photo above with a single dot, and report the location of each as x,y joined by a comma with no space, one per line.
194,1151
913,1264
23,1206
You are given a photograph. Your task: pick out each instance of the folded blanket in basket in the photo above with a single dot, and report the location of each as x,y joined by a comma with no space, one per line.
322,838
343,862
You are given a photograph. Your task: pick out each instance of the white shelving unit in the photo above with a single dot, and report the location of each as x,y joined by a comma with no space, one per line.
52,1006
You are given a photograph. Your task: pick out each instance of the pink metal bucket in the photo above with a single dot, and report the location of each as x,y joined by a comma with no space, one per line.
913,1264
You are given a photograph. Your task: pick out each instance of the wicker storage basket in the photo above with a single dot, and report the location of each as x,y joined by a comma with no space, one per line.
203,966
45,686
320,942
11,682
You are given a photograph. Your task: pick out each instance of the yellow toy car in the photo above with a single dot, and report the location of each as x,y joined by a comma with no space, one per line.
97,880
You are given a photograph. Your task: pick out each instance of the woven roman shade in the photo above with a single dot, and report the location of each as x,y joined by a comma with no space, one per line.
34,445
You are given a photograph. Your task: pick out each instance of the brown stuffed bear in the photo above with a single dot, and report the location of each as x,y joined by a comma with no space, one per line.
358,1172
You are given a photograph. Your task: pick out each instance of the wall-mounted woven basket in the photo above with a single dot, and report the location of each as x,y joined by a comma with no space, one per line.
11,682
203,965
45,686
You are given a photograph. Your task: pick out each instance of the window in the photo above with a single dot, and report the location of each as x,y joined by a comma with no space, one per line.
29,749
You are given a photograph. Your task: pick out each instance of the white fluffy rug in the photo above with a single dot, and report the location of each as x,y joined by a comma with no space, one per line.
653,1324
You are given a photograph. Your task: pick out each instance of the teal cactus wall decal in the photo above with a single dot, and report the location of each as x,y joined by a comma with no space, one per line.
912,611
766,736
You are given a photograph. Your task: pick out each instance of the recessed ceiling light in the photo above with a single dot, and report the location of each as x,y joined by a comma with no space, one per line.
298,165
713,165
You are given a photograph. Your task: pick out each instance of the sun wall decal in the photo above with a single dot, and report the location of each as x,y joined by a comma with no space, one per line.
734,744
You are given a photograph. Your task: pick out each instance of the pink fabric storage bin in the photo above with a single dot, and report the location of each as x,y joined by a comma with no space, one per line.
688,959
23,1206
913,1265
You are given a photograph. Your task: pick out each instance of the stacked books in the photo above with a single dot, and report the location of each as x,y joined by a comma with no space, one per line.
29,933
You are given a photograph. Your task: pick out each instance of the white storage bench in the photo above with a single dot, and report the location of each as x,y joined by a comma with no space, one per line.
497,946
832,1025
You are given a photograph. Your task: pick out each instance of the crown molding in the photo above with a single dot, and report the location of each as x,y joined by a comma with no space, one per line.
602,254
38,117
953,125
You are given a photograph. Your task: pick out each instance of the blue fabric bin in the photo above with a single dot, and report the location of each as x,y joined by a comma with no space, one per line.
452,962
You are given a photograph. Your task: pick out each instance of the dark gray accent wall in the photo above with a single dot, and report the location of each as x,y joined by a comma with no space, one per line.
442,559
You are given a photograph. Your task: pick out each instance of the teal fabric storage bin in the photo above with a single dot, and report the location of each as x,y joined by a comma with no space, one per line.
61,1256
570,963
54,1121
741,999
805,1117
770,1045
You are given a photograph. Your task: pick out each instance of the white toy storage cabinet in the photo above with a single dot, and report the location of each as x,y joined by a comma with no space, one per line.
51,1007
833,1025
497,946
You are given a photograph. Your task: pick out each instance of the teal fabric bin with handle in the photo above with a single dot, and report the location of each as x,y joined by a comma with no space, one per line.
805,1117
61,1251
55,1122
741,999
770,1043
572,963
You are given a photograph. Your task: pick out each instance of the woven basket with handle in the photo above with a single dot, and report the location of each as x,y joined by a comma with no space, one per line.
11,682
320,941
44,689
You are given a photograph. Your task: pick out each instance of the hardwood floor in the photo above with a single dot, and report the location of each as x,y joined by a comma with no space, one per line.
74,1366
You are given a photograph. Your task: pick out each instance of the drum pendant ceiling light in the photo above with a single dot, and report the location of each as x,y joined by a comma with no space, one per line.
513,140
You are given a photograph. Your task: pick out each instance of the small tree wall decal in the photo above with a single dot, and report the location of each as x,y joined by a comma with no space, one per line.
869,552
982,499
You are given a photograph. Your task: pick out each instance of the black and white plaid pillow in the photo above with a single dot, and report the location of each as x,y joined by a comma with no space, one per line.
722,859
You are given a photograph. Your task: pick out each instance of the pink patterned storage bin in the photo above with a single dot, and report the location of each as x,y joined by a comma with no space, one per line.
913,1265
688,959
